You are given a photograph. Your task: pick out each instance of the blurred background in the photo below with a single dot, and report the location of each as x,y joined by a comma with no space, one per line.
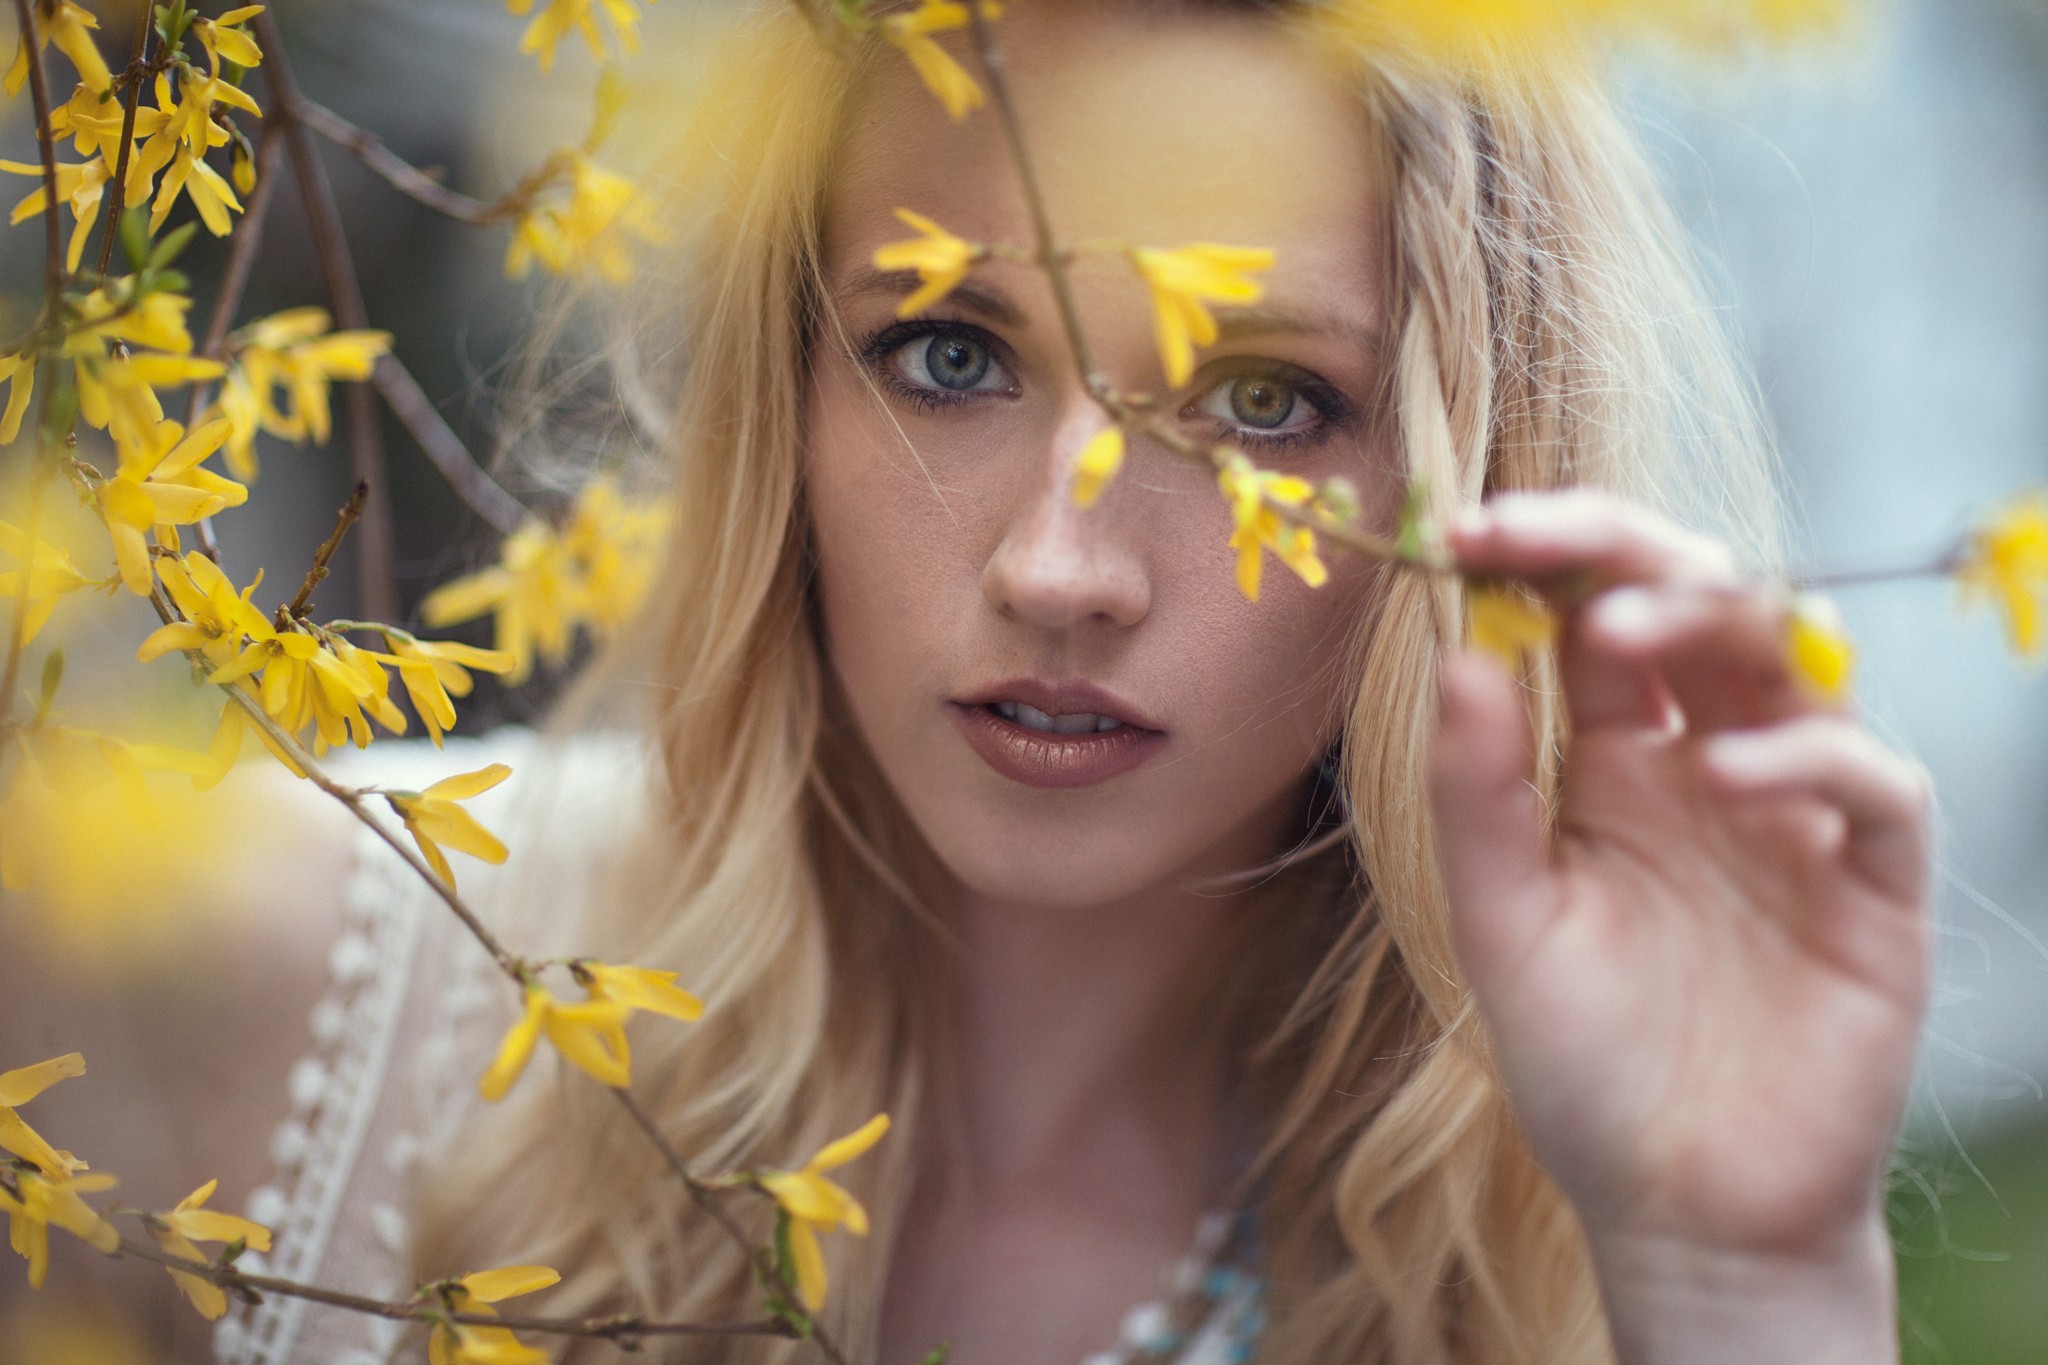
1876,220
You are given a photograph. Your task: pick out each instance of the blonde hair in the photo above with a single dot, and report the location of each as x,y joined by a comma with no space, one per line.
1548,329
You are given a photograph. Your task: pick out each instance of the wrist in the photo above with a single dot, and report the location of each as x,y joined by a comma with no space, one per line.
1670,1302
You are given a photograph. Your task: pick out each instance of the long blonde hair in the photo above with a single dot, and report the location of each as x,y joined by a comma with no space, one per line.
1548,329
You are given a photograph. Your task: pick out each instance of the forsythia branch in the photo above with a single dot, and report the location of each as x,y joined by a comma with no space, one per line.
132,79
396,171
424,423
623,1328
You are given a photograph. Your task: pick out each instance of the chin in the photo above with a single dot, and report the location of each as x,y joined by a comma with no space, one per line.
1055,868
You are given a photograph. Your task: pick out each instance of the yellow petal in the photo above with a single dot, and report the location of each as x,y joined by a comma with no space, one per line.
1506,623
842,1150
465,785
25,1083
1097,464
506,1282
642,988
807,1258
517,1048
1818,648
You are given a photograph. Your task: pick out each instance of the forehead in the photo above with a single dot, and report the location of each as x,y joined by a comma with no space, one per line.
1148,126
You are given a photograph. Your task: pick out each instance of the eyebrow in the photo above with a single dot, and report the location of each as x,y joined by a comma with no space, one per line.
1232,323
989,303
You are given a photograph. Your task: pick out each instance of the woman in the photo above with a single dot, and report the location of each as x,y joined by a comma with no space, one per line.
1130,899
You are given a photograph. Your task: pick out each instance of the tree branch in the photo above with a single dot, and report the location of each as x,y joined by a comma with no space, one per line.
471,482
53,228
376,585
399,173
133,77
623,1328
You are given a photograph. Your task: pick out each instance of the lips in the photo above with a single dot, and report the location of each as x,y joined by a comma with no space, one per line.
1055,735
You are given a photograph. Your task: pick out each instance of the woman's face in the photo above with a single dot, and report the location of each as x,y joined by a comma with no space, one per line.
1078,706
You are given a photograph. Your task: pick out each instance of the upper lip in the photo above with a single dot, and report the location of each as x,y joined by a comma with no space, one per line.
1072,697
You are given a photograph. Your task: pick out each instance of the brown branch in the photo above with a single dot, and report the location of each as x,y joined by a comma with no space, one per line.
471,482
622,1327
1132,411
396,171
1943,566
134,77
350,510
53,228
377,587
242,249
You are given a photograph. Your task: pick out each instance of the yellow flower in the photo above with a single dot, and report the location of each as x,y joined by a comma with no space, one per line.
44,573
576,220
456,1343
54,1199
192,1222
940,259
81,186
558,17
160,483
216,617
531,591
590,1033
347,682
1183,281
434,818
911,32
1818,649
1097,464
639,988
1250,491
2007,560
815,1204
20,370
18,1087
433,671
615,547
69,26
1506,623
225,39
293,350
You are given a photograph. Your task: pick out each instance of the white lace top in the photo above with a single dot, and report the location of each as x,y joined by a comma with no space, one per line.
412,1015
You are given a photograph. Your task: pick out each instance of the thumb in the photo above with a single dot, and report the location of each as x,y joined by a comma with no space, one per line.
1488,827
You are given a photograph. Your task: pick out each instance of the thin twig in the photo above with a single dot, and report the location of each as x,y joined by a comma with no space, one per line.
53,229
242,249
401,174
376,583
621,1327
1942,566
350,510
471,482
134,77
1126,410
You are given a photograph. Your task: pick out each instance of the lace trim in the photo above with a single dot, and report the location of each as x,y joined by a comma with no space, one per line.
334,1093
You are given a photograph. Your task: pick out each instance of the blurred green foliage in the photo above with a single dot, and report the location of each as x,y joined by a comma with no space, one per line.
1973,1264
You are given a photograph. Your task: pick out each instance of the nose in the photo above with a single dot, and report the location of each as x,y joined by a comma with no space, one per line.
1058,565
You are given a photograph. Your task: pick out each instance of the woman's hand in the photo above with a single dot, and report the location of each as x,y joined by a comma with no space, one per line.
1706,991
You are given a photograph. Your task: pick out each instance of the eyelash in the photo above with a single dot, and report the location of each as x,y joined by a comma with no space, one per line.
1334,409
876,348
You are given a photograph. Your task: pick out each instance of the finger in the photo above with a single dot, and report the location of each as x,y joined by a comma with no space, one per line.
1488,827
1719,651
1885,798
1593,536
1570,545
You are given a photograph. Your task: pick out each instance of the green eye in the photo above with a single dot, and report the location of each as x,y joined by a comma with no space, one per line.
1262,402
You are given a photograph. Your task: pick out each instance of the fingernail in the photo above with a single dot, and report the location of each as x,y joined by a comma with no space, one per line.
1625,613
1471,521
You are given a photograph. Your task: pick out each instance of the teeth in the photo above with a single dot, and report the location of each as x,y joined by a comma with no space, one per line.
1078,723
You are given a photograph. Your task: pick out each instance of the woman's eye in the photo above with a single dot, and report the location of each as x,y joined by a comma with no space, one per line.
1260,403
949,362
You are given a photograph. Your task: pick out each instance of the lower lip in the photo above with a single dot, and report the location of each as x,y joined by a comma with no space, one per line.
1039,759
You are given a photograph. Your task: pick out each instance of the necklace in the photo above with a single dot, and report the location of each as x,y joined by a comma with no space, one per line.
1212,1312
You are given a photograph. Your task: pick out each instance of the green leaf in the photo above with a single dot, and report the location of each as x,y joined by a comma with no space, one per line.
1408,532
53,674
785,1263
170,244
169,281
938,1354
135,235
